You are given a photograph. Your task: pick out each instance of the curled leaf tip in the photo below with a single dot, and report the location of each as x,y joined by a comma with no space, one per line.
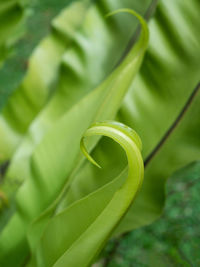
122,10
100,211
119,132
135,14
87,155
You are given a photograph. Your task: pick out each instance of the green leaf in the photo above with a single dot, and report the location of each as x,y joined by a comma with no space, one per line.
178,63
181,147
57,156
176,231
168,76
67,63
36,88
186,174
12,16
87,224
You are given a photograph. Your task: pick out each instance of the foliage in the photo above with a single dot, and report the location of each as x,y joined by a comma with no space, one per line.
173,240
12,16
88,235
16,65
65,90
114,87
151,107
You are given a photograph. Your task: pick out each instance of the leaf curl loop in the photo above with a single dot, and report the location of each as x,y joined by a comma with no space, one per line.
130,142
114,200
56,244
87,224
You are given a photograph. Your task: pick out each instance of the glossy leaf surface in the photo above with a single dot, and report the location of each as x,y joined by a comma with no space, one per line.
57,154
151,106
68,68
168,77
76,230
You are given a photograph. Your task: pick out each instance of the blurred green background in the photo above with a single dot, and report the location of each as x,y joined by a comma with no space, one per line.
171,241
38,25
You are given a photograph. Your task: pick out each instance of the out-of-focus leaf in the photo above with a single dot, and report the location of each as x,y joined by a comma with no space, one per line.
87,224
37,25
169,73
173,240
56,156
185,175
167,78
182,147
76,78
75,68
36,89
12,16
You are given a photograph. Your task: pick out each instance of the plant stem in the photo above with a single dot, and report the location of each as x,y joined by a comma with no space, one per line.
173,126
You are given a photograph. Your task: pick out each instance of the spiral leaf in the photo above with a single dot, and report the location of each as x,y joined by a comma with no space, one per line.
86,225
56,157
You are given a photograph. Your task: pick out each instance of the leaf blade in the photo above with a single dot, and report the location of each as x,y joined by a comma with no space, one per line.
105,205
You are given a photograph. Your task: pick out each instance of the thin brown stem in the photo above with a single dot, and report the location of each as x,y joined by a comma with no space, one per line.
173,126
